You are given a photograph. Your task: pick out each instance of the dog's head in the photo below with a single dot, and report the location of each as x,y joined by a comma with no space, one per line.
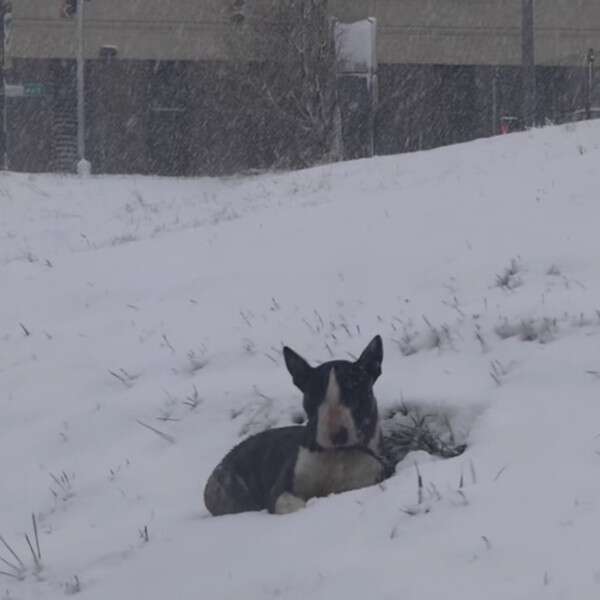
338,397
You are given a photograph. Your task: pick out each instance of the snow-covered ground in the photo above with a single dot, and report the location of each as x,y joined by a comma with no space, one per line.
128,300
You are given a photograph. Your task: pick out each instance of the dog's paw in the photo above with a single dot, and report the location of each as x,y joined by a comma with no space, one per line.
288,503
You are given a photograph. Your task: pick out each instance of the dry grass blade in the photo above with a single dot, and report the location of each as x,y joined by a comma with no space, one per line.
193,400
273,360
15,555
499,473
35,533
168,343
144,535
10,565
162,434
473,473
419,485
59,482
463,497
496,379
450,430
72,586
7,574
418,436
435,493
121,378
38,565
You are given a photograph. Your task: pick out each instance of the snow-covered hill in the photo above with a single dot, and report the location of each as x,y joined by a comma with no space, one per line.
128,300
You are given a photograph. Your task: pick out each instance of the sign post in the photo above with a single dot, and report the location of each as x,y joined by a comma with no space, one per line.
83,166
24,90
33,90
591,57
356,48
528,61
5,27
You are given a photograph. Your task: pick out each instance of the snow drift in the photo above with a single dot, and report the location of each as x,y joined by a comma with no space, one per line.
131,302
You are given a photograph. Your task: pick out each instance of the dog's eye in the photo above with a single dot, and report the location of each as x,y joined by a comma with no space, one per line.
351,385
352,396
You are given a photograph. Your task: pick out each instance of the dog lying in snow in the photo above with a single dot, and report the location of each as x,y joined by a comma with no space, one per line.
339,448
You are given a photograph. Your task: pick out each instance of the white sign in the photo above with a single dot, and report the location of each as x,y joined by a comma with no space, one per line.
356,46
14,91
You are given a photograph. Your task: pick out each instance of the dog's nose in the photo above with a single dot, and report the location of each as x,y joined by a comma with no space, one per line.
340,437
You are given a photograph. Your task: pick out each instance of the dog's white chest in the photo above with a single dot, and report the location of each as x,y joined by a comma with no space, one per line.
333,471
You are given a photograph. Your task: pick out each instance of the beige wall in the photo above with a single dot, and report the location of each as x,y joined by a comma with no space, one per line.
410,31
485,31
144,29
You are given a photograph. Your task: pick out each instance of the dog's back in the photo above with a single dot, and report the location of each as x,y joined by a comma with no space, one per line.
276,471
248,475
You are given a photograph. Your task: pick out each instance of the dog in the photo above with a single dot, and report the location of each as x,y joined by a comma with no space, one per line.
338,449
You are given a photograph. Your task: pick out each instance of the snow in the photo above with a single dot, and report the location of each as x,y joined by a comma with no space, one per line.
84,167
166,302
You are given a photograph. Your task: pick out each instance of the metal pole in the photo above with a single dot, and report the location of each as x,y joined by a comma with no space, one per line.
5,164
373,82
83,166
528,61
590,84
4,136
495,101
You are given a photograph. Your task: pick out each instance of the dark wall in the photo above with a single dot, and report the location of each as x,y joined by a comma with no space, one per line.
561,92
184,118
29,135
118,99
175,118
425,106
355,98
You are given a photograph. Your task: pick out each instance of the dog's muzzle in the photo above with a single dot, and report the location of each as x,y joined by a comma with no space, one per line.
340,437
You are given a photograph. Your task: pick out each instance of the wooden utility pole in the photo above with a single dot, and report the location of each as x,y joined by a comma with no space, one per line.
528,62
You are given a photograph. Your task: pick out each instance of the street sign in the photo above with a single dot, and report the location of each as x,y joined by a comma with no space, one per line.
13,91
33,89
20,90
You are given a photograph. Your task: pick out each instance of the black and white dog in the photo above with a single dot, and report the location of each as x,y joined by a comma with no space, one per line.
339,449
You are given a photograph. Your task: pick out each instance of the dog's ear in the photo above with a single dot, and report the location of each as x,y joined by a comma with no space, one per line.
299,369
372,357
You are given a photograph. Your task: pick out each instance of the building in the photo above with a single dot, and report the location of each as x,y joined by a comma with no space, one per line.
157,94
